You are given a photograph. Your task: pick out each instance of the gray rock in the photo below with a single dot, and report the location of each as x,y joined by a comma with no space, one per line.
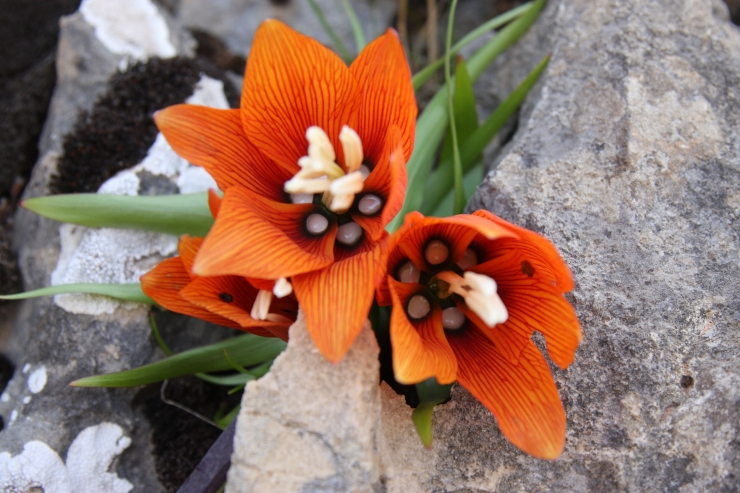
235,21
310,426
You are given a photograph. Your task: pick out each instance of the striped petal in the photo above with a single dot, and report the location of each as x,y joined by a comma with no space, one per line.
534,303
164,283
387,95
215,140
292,82
420,348
388,181
541,253
337,299
256,237
521,396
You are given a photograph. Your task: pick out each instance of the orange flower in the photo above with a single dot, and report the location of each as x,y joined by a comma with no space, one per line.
312,167
231,301
467,293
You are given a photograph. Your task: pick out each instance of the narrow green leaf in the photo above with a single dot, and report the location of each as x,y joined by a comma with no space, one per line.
236,365
357,31
438,184
423,75
226,420
338,43
172,214
127,292
247,350
430,394
157,336
466,114
226,380
432,122
422,418
457,165
471,181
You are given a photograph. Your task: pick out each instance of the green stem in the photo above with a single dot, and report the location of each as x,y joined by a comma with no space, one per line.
338,43
457,165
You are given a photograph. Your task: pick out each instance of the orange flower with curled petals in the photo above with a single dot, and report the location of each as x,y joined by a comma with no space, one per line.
467,293
231,301
313,166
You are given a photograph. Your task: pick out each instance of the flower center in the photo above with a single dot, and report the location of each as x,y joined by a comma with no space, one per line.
320,173
479,293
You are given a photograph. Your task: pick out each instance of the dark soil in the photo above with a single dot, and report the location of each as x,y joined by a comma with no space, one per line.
119,129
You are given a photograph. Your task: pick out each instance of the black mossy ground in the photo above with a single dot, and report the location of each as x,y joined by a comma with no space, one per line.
119,129
180,439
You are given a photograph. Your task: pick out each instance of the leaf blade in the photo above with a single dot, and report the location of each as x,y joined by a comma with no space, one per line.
172,214
126,292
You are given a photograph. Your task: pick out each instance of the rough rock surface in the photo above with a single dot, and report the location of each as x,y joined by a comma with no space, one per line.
310,425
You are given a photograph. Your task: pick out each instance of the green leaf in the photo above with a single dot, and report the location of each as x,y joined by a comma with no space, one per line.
438,184
338,43
430,393
472,179
422,418
432,123
225,421
457,165
357,31
127,292
466,114
226,380
157,336
423,75
247,350
236,366
172,214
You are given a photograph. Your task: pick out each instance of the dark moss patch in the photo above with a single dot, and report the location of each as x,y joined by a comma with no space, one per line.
119,129
180,439
218,53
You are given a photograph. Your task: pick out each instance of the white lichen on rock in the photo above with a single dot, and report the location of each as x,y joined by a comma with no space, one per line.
129,27
37,380
89,457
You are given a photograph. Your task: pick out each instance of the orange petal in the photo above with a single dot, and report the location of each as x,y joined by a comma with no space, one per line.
214,202
165,282
256,237
522,397
337,299
293,82
420,349
533,304
456,232
387,95
188,249
540,251
509,337
215,140
231,297
388,181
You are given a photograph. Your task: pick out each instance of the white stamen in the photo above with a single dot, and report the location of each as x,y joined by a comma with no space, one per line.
298,185
468,259
479,293
452,318
418,307
302,198
319,145
349,233
343,190
408,272
369,204
321,174
316,223
352,147
261,305
365,171
282,288
436,252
